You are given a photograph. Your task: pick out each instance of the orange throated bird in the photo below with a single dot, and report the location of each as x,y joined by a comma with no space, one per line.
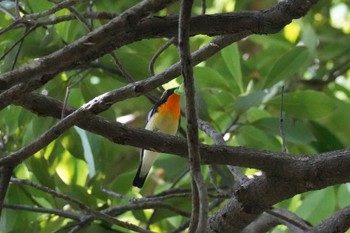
164,117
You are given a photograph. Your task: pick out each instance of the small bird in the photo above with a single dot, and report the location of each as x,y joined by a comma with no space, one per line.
164,117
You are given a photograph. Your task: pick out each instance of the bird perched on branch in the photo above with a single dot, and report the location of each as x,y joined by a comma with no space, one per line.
164,117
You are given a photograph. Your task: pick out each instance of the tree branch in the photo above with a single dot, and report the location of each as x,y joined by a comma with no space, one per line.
5,176
275,217
199,215
128,28
314,171
61,213
291,174
95,213
338,222
86,49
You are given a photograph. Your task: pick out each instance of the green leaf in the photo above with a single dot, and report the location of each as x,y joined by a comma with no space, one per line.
232,60
211,78
81,194
309,37
287,65
202,106
123,183
37,164
318,205
255,113
343,195
181,203
305,104
243,103
253,137
173,166
89,158
295,131
70,169
326,140
71,141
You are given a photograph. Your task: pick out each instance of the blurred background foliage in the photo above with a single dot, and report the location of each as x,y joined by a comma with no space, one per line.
239,92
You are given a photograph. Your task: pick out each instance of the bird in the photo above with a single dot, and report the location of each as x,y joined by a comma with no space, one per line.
164,117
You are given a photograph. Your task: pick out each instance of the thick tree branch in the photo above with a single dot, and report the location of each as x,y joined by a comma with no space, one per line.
289,174
338,222
314,171
103,102
128,28
86,49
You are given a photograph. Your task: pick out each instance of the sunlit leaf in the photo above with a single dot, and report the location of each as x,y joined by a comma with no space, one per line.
243,103
287,65
318,205
253,137
294,131
325,139
88,155
343,195
232,60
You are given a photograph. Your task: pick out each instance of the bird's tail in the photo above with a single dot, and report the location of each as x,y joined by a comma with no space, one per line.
139,180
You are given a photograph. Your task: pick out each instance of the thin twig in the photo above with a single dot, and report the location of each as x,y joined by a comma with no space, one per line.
19,41
57,7
58,212
81,18
204,6
119,65
284,147
154,202
70,86
118,195
89,11
128,76
65,102
182,227
289,217
157,54
19,48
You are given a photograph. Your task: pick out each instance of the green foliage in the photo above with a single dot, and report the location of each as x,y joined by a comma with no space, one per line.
238,94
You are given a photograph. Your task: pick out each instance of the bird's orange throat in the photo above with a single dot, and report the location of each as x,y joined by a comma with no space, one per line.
171,107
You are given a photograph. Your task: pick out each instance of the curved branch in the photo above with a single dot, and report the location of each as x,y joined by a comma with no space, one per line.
338,222
276,217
